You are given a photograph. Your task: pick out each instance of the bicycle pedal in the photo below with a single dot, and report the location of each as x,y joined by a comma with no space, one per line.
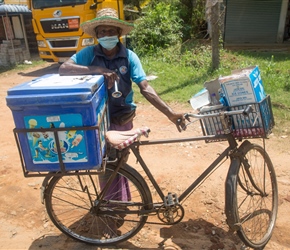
171,200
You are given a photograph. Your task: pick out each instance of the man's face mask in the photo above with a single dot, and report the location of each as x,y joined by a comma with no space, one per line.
108,42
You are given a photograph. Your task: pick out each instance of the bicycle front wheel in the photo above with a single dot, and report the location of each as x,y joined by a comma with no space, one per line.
71,203
256,202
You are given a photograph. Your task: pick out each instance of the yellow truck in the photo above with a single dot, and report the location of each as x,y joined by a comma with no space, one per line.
56,24
18,2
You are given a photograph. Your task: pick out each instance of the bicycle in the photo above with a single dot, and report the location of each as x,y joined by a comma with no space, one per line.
81,209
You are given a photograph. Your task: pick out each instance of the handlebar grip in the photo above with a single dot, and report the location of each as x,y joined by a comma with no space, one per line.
248,110
186,116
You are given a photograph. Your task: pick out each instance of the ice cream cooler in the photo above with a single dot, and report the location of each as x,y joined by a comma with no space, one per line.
60,122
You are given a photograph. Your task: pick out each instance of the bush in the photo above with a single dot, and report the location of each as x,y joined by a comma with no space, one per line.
160,27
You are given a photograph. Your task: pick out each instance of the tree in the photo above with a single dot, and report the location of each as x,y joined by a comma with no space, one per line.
136,3
212,11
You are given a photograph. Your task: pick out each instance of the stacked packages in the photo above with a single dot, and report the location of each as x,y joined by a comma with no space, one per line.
234,92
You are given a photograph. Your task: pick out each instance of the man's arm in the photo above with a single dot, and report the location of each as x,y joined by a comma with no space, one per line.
150,94
71,68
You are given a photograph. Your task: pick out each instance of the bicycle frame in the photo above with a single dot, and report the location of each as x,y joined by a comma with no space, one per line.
131,214
232,146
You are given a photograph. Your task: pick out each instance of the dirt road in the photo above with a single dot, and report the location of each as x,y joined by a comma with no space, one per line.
25,225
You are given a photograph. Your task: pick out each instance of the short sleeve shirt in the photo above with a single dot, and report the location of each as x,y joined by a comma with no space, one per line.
86,56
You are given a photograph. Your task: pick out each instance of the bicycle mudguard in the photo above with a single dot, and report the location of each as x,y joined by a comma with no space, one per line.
43,187
231,189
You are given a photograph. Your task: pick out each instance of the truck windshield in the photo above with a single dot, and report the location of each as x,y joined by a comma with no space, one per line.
42,4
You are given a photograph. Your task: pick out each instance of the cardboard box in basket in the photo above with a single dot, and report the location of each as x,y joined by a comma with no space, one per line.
54,101
243,86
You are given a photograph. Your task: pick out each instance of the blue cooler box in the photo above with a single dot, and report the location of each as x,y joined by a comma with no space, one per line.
55,103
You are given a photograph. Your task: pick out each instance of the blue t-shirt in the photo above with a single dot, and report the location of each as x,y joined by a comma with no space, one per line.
87,57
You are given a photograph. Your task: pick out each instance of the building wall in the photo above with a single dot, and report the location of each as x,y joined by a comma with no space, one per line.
252,21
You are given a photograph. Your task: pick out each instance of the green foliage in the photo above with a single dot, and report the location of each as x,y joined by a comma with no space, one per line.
192,14
167,23
159,28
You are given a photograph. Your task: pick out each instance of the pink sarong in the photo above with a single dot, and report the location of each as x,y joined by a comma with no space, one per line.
119,190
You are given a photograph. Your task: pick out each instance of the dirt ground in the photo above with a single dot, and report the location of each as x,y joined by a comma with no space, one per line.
25,225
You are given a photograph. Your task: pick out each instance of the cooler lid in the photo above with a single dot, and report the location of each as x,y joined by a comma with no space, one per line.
55,89
56,84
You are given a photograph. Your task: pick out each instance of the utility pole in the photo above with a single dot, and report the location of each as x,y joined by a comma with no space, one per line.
212,10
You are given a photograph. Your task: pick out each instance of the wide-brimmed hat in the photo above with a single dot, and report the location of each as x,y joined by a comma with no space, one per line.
106,16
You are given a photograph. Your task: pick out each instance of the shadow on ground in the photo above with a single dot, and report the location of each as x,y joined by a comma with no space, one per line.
50,69
63,242
192,234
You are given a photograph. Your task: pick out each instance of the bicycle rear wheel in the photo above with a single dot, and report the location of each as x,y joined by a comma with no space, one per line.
71,203
256,202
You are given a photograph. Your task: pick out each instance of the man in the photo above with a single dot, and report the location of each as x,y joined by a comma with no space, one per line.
120,67
111,59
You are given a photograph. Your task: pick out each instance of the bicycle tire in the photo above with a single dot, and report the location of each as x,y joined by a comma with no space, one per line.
254,196
70,203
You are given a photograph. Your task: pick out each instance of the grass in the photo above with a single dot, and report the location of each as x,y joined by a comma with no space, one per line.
21,66
179,78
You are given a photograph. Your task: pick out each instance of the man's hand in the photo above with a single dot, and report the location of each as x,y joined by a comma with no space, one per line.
111,77
179,120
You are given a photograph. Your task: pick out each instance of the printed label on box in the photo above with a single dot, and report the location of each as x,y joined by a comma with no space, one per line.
238,91
42,144
243,87
257,83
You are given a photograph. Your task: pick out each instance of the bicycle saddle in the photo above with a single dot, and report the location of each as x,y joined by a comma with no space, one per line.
123,139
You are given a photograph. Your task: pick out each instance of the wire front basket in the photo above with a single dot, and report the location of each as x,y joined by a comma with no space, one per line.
258,124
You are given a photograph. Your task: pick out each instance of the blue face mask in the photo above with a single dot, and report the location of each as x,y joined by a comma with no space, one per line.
108,42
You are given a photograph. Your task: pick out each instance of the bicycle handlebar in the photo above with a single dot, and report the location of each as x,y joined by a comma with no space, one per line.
245,112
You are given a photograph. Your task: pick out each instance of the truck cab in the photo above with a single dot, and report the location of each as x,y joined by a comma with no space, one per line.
56,24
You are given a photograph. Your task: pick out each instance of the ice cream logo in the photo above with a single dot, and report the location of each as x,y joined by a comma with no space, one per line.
63,146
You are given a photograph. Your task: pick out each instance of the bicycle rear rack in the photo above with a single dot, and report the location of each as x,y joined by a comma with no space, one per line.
63,170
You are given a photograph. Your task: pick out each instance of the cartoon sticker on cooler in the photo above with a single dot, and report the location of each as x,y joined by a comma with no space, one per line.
71,134
77,140
43,146
41,151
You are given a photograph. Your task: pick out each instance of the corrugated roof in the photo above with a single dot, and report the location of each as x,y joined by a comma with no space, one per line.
13,9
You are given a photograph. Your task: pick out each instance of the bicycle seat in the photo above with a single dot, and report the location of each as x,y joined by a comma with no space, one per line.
123,139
